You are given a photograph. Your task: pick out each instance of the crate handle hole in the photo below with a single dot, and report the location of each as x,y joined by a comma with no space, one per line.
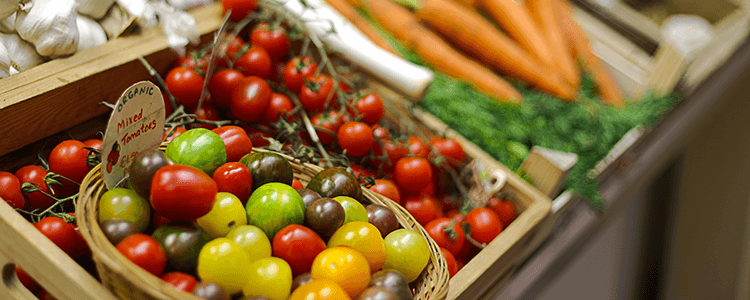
9,275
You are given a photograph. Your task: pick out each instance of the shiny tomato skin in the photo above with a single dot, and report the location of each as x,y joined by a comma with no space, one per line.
68,159
485,224
450,261
297,245
455,215
35,174
370,107
418,147
423,207
504,209
454,241
59,232
319,289
388,189
207,112
389,153
182,193
381,132
236,141
328,121
250,99
234,178
317,93
93,143
296,184
258,136
222,84
255,62
345,266
240,8
296,70
273,38
145,252
356,138
175,134
412,174
181,281
278,106
185,85
231,51
10,190
450,149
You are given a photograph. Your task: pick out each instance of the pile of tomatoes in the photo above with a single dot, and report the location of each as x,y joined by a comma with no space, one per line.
247,225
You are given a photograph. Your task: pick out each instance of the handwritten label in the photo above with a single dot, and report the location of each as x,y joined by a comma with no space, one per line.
136,124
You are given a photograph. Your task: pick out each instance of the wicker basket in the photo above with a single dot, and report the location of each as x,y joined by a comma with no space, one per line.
129,281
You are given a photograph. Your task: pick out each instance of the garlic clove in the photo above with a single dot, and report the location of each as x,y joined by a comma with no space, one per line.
144,13
8,25
4,62
8,8
94,8
23,56
50,25
91,34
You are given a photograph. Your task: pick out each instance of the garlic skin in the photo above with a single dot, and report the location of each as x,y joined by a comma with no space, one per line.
23,56
4,62
50,25
90,33
179,26
142,10
8,25
8,7
188,4
94,8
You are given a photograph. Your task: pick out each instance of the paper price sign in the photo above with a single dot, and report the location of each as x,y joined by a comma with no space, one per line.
136,124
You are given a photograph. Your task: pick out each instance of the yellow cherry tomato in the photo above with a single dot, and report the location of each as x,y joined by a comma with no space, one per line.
363,237
253,240
228,212
345,266
223,262
270,277
320,289
407,252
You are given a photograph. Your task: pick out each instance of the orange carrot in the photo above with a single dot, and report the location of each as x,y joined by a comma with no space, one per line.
514,19
351,14
476,36
608,88
405,27
543,12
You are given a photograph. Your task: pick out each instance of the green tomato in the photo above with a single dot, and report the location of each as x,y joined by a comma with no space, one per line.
407,252
182,242
275,205
253,240
353,210
125,204
269,277
200,148
228,212
223,262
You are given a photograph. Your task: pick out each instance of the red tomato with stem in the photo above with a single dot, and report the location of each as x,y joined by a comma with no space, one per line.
450,149
296,184
504,209
447,233
327,126
279,105
59,232
456,215
182,193
68,159
176,133
370,107
222,85
35,174
26,280
485,224
381,132
424,208
145,252
317,94
296,70
207,112
358,170
180,281
255,62
297,245
236,141
231,51
234,178
185,85
393,150
93,143
10,190
240,8
258,136
273,38
412,174
251,99
388,189
159,220
355,138
418,147
450,262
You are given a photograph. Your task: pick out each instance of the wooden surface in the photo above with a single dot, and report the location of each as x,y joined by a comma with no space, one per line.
61,93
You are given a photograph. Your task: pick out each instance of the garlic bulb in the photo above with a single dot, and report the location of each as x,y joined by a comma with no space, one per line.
179,27
188,4
50,25
23,56
8,25
4,62
8,7
144,13
90,32
94,8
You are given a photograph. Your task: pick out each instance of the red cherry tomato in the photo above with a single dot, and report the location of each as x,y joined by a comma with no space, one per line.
450,149
145,252
328,121
358,171
387,188
356,138
234,178
446,236
450,262
424,208
297,245
418,147
250,99
317,94
10,190
485,224
180,281
393,152
26,280
240,8
296,70
455,215
185,85
222,84
370,107
35,174
296,184
176,133
182,193
255,62
231,51
278,106
59,232
273,38
159,220
207,112
381,132
236,141
504,209
68,159
412,174
258,136
93,143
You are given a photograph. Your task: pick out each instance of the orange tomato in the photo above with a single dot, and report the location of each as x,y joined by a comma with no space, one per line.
363,237
320,289
345,266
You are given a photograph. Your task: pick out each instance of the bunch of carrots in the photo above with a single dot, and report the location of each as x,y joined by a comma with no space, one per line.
537,42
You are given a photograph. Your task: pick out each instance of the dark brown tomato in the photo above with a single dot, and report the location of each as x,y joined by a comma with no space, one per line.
334,182
308,196
377,293
325,216
301,280
182,242
383,219
393,281
117,230
210,291
268,167
144,167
